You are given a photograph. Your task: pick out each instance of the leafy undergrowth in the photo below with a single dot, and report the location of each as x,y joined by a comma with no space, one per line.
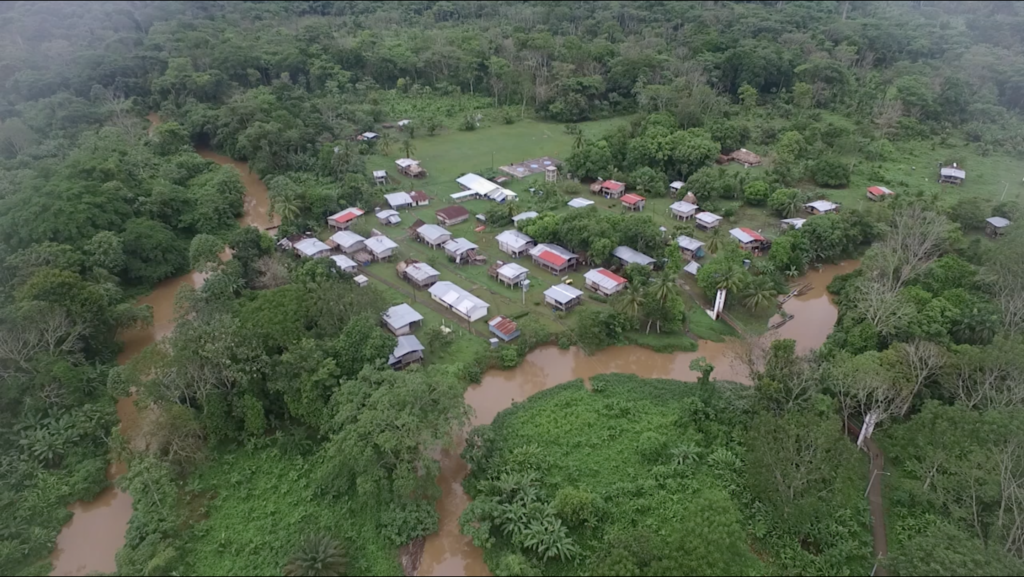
662,342
704,327
638,477
265,502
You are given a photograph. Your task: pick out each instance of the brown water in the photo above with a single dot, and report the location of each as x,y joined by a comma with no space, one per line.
89,541
449,552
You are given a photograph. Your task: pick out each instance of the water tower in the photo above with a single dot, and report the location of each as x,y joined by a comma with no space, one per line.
551,174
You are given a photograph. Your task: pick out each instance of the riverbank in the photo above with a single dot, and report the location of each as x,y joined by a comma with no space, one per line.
449,552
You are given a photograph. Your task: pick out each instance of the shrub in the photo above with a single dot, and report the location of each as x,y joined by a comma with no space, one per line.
756,193
830,171
510,357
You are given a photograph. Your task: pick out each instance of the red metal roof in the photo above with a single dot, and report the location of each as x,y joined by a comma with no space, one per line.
552,258
753,234
503,325
879,191
632,198
348,214
605,272
613,185
418,196
452,212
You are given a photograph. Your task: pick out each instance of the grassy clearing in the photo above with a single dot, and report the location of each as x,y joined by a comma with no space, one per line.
265,502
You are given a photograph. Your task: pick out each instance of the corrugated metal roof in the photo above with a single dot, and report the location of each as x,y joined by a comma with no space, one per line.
631,256
562,293
396,199
580,202
406,162
503,325
343,262
512,270
688,243
822,205
954,172
613,185
346,215
379,244
432,232
683,206
401,315
513,238
632,198
997,221
406,344
421,271
310,246
604,278
452,212
459,245
879,190
347,238
692,267
795,222
524,216
456,296
708,217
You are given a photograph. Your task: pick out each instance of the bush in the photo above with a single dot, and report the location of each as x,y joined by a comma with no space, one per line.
756,193
598,298
510,357
830,171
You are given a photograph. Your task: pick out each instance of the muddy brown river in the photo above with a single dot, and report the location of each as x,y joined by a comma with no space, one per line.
89,541
449,552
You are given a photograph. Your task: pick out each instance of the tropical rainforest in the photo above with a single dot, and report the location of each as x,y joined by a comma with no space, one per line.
274,438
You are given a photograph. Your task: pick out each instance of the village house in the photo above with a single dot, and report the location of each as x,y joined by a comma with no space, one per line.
563,297
553,257
347,241
692,267
344,263
523,217
707,221
380,177
311,247
633,201
604,282
458,300
410,168
504,327
419,198
996,225
389,217
400,319
368,136
690,247
683,210
408,350
380,247
451,215
476,183
511,274
952,175
433,235
397,200
612,189
794,223
877,193
419,274
748,239
361,280
514,243
459,249
629,256
342,220
580,202
675,186
745,157
821,207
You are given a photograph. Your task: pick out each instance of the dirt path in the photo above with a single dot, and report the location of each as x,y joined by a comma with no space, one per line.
877,468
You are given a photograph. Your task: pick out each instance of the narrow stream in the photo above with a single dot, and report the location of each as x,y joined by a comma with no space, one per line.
89,541
449,552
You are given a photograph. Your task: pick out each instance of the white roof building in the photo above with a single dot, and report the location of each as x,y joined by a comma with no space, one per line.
401,316
822,205
344,263
523,216
398,199
380,174
708,219
369,135
457,246
361,280
954,172
692,267
406,162
630,256
459,300
433,233
513,239
403,122
347,240
608,283
380,245
794,222
512,270
459,196
407,344
676,185
683,207
563,293
689,243
311,247
998,221
743,236
421,271
389,216
580,202
477,183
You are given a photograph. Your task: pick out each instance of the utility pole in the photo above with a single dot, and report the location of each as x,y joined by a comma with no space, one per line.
1006,185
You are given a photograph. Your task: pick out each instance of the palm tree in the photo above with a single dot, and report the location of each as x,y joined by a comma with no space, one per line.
714,241
408,147
384,142
630,302
662,287
287,206
794,204
759,291
733,279
317,556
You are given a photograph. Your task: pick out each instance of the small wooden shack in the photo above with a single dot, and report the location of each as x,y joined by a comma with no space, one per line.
952,175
